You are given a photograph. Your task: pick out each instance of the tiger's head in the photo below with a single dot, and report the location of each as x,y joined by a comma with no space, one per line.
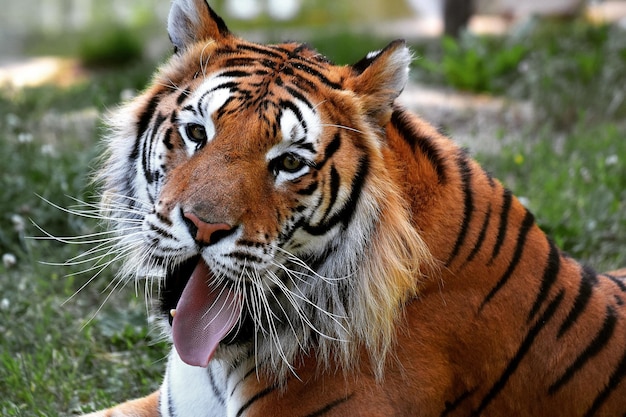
251,182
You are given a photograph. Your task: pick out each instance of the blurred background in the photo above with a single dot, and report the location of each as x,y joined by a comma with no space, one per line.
535,89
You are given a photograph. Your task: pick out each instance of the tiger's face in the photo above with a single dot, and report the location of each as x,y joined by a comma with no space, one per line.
247,167
255,173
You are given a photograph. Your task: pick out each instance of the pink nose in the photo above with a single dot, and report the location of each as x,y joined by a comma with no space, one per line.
206,233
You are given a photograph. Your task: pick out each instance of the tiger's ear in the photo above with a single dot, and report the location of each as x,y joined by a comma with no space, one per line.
380,77
192,21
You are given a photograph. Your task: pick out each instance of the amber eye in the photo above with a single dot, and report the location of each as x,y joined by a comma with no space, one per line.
196,133
289,163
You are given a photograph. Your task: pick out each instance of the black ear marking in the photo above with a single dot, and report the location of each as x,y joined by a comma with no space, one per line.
368,59
221,25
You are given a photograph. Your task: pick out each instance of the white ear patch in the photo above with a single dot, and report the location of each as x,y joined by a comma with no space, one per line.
373,54
398,70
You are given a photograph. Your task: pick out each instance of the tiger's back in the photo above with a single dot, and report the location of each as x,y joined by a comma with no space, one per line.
325,252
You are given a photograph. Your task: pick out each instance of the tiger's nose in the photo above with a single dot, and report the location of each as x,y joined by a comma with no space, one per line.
204,233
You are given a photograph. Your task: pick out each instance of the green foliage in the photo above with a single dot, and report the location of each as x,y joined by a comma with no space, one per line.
478,64
568,70
575,184
115,46
575,73
340,48
54,359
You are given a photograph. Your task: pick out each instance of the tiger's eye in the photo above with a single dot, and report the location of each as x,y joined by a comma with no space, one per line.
196,133
290,163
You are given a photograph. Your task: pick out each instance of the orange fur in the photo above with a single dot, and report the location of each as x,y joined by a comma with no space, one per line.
467,307
141,407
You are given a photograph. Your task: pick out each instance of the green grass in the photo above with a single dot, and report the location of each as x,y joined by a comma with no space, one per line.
56,358
59,355
575,184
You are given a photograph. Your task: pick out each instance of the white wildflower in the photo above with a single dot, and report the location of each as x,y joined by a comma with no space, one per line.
48,150
585,174
5,304
18,223
9,260
611,160
25,137
12,120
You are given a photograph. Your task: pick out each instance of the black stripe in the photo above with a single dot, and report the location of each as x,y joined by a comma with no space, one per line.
507,197
328,407
588,280
239,62
616,281
190,108
345,214
222,110
221,26
616,377
235,73
147,156
167,139
263,393
330,150
333,146
170,403
492,182
452,405
182,96
230,85
597,344
553,265
310,189
283,50
166,220
481,237
216,391
468,205
334,184
401,121
321,77
143,122
244,256
285,104
521,352
247,374
303,144
262,50
297,94
527,223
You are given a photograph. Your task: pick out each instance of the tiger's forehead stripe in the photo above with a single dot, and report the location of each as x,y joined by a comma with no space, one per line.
281,59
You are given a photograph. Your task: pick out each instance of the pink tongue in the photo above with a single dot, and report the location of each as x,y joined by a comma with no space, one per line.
203,317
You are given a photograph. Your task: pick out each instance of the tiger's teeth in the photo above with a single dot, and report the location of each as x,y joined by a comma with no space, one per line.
173,312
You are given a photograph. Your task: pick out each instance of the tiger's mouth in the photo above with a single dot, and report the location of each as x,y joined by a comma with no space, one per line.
206,314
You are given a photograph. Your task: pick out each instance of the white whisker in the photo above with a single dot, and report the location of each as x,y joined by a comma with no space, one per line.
342,127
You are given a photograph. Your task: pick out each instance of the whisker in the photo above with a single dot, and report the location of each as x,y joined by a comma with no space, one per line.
342,127
296,260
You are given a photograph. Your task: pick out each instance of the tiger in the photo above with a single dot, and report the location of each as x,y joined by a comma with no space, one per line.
321,251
